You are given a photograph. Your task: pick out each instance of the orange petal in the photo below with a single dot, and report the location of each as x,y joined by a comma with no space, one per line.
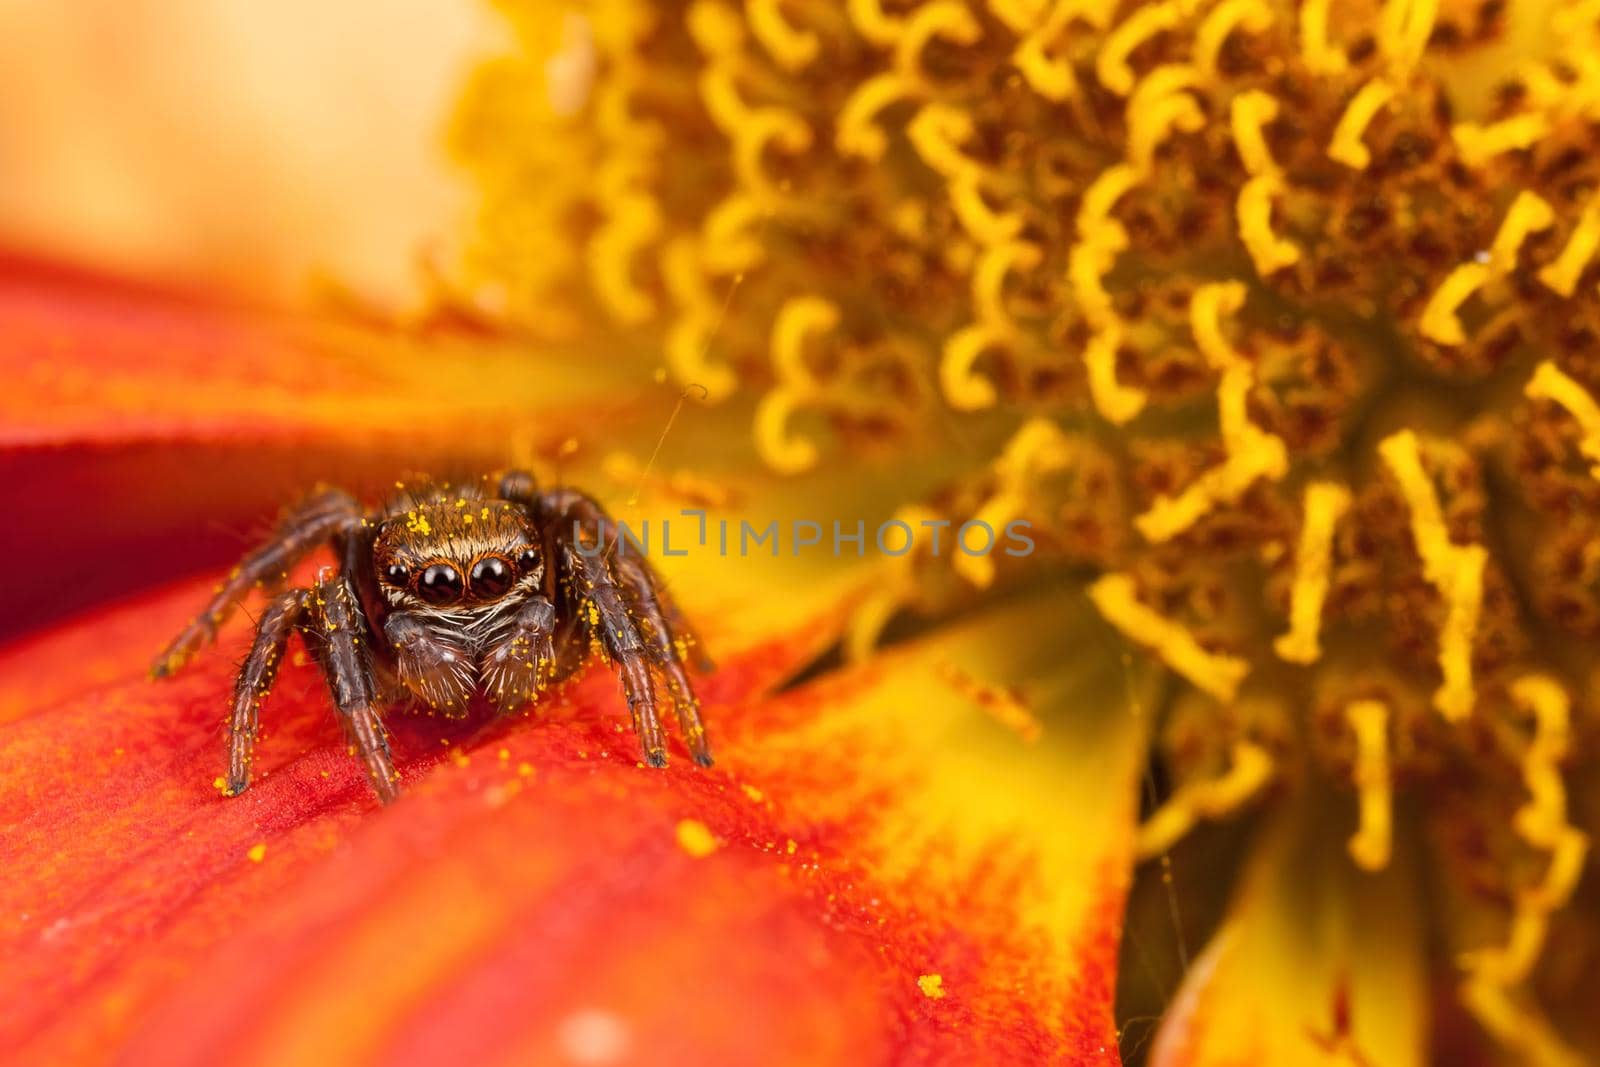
875,871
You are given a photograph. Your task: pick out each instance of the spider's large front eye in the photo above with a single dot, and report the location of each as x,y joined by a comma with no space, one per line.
491,576
440,584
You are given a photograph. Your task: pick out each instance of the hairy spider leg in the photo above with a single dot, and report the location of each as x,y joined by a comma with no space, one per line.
340,642
643,589
309,526
614,606
282,616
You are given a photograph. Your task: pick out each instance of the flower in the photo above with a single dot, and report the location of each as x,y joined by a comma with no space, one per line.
874,870
1277,324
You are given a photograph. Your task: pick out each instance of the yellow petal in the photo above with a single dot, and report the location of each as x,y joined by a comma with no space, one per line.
1316,963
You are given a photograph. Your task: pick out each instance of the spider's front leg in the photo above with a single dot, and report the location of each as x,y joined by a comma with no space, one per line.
623,645
255,680
523,661
342,646
310,525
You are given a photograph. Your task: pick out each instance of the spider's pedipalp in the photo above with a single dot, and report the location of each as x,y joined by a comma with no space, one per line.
523,662
435,667
255,680
310,525
342,646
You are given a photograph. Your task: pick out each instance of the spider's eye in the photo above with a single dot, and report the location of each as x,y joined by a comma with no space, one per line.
439,584
396,574
528,560
491,576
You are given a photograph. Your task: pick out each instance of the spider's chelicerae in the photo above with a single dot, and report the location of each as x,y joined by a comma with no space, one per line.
445,593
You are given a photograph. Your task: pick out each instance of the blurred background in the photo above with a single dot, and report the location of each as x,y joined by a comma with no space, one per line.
235,146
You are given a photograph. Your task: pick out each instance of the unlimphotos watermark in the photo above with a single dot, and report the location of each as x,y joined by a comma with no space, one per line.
893,537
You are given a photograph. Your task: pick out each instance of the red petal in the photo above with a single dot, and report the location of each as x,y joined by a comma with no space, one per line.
536,895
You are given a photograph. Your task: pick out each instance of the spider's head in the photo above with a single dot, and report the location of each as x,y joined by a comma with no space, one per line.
457,553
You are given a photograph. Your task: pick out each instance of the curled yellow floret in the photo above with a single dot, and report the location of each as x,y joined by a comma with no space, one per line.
1455,572
1529,213
1549,383
1251,770
1346,146
1325,504
1116,598
1370,844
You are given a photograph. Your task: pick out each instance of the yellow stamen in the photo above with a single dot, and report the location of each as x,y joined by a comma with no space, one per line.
790,48
798,321
1439,321
1529,213
1116,402
986,225
1269,252
1369,846
989,278
1549,383
1115,596
1111,64
801,319
1251,770
1252,453
1037,449
731,238
688,339
1158,106
1320,56
1346,146
633,225
1326,504
963,387
781,450
1562,274
870,21
1542,822
948,19
1455,572
768,127
1252,111
1207,307
858,133
936,132
1251,16
1049,76
1403,30
1478,143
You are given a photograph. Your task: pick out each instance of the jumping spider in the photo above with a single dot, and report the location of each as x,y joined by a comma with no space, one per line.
445,593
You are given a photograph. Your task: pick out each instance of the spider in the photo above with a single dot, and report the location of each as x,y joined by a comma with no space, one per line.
446,593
